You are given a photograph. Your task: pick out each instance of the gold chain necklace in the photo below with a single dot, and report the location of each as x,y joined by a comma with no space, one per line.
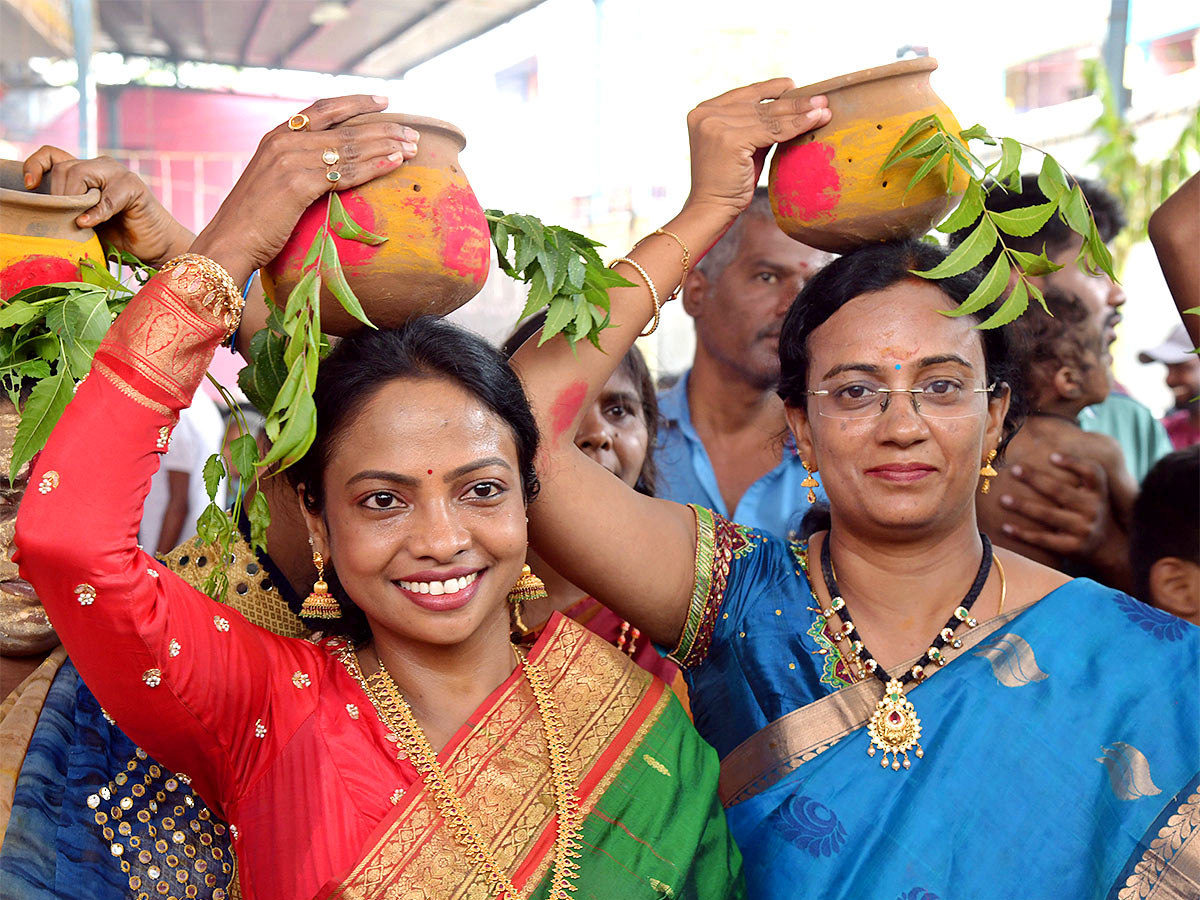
411,743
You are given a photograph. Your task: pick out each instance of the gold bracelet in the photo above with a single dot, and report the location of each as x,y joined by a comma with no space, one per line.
649,284
686,261
219,293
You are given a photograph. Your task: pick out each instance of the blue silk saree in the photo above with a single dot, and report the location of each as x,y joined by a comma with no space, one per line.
1062,744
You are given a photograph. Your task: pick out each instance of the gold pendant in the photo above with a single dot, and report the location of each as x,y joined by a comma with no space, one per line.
894,728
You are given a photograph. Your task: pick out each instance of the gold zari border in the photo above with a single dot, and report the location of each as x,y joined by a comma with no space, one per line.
1170,867
502,773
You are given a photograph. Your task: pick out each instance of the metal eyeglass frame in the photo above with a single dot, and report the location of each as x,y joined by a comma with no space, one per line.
912,393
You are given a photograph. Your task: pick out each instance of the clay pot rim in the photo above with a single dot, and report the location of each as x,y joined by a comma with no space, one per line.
76,203
875,73
420,123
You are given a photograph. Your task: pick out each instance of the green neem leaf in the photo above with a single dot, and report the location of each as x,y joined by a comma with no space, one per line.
101,277
345,227
1025,221
214,471
1051,180
41,412
243,451
40,293
18,312
310,258
262,378
335,280
1034,264
926,167
547,259
500,238
920,149
1096,255
1010,159
211,523
991,287
525,251
1075,212
297,435
259,514
531,227
913,130
539,294
968,254
1017,303
966,212
576,270
1035,293
977,133
562,310
307,292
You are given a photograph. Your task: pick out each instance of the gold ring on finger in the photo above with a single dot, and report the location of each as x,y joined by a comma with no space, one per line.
298,122
333,176
330,157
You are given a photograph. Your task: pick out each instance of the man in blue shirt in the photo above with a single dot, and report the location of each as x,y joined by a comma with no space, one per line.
724,443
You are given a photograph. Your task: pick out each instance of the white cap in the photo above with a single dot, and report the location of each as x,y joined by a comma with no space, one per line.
1177,348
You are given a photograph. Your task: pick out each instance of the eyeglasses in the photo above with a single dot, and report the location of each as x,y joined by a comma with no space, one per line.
937,398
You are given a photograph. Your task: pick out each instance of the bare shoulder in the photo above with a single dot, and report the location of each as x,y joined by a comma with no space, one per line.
1028,581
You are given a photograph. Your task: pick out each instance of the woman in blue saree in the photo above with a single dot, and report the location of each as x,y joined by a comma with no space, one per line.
982,726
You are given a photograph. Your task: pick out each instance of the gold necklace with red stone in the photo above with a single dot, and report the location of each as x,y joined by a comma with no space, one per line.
894,727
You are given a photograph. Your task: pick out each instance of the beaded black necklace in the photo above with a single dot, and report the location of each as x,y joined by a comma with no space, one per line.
895,728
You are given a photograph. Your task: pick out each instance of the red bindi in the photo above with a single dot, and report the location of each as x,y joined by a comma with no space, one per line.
429,471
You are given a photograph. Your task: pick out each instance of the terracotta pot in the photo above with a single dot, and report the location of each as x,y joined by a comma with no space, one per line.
825,186
438,249
39,240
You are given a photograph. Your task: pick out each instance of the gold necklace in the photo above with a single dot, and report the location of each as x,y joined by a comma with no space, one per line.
411,743
895,728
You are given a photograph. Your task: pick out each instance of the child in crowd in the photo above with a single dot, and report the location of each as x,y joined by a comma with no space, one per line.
1165,539
1066,368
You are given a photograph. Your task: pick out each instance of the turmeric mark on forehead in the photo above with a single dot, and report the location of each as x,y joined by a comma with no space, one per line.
897,353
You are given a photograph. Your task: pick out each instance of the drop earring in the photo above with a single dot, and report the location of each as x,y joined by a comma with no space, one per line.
987,473
527,589
320,604
809,482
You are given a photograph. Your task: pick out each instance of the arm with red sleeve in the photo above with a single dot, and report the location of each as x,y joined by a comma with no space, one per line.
192,682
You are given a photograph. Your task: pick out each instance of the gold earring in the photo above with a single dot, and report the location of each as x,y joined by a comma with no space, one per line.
987,473
320,604
810,482
527,589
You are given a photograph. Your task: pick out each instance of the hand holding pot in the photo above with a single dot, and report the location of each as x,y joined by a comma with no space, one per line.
128,215
730,135
292,167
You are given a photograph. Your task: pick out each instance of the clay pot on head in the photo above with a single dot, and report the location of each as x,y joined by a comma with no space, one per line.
826,186
438,246
39,240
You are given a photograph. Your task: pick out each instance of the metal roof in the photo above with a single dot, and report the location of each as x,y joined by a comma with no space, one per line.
379,38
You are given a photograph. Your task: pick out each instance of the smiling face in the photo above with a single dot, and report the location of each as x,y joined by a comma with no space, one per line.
613,432
424,517
898,470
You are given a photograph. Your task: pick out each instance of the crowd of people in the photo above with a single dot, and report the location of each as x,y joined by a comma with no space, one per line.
591,638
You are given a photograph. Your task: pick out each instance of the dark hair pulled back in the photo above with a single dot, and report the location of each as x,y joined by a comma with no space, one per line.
875,268
426,348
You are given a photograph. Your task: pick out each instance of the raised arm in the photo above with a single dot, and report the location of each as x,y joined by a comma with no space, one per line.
1175,233
190,680
634,553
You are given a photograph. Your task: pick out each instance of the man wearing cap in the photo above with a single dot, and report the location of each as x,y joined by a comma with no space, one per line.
1183,378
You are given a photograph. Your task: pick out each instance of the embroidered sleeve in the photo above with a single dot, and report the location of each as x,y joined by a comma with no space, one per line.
191,681
719,543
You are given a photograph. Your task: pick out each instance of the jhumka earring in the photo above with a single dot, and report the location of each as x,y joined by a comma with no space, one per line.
320,604
809,482
987,473
528,588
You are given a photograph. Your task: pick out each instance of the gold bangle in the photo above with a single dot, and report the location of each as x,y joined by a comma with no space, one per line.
649,284
686,262
219,293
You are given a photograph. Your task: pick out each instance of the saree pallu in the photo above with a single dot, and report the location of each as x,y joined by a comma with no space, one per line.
652,826
1061,747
